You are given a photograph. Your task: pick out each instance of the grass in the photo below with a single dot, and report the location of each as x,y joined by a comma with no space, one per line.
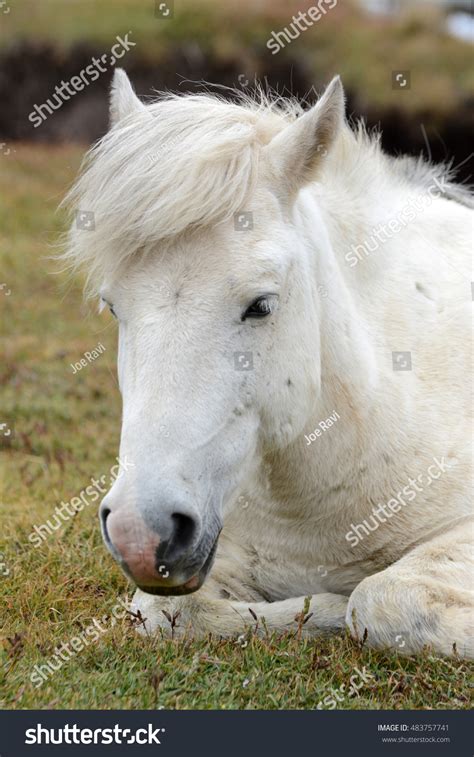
66,430
364,50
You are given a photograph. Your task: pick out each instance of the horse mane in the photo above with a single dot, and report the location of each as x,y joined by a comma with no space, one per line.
190,161
421,173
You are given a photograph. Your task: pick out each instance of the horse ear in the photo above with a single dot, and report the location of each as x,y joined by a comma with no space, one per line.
123,99
296,153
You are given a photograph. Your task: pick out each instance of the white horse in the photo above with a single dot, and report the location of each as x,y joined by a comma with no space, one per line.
293,359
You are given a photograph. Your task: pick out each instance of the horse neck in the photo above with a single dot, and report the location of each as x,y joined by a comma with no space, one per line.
339,214
347,358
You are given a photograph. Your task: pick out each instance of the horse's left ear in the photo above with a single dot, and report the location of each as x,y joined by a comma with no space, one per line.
123,99
296,153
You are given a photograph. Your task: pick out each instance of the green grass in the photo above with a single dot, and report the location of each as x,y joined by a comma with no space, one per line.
362,49
66,429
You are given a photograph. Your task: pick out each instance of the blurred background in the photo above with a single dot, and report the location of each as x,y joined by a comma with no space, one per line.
426,43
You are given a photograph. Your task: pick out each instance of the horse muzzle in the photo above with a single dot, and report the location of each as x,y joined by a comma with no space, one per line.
167,554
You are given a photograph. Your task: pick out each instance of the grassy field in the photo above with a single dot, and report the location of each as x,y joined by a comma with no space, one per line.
65,429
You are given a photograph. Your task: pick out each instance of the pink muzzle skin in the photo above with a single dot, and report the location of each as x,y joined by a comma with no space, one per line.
136,545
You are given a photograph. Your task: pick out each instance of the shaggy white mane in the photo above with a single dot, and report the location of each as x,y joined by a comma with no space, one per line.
189,161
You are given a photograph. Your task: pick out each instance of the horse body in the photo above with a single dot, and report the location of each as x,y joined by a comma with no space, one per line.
369,266
286,533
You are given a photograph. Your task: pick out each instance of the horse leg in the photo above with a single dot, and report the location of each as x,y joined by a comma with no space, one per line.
425,598
201,613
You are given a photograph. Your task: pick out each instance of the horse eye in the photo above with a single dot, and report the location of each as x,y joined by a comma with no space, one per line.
111,308
260,308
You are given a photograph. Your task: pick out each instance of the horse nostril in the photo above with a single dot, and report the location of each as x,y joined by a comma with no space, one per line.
104,513
183,531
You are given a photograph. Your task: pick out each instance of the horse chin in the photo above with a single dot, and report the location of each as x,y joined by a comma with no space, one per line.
188,587
172,591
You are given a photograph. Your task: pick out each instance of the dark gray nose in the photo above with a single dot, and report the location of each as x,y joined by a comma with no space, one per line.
182,530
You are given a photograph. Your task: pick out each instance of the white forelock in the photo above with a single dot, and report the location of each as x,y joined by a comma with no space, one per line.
190,161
